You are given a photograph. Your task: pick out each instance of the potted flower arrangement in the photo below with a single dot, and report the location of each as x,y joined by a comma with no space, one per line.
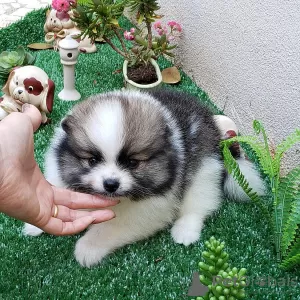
140,48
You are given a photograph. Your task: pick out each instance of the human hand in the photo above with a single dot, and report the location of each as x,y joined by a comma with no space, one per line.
26,195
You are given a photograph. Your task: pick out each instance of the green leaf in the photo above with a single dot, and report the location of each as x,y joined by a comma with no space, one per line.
285,145
288,207
140,19
29,59
258,148
291,262
233,168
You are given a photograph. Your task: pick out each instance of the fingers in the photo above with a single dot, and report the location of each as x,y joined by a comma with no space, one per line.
65,214
76,200
56,226
34,114
30,115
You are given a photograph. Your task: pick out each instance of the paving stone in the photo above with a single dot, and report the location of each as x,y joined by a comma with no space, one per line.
36,5
4,8
13,10
21,12
7,20
23,2
6,1
15,5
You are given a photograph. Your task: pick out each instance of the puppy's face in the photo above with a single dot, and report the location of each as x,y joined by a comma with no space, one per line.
117,145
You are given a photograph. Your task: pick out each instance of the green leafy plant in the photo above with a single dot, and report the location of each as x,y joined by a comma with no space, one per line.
99,19
222,281
12,59
284,219
84,2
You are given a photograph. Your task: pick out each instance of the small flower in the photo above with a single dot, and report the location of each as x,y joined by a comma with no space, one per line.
128,35
61,5
132,30
157,25
175,26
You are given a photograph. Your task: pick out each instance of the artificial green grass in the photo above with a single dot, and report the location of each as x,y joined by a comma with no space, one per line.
157,268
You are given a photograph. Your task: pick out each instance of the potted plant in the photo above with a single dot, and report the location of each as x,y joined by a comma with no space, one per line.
140,48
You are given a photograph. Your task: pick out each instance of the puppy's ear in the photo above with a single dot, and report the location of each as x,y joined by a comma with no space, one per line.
5,89
69,124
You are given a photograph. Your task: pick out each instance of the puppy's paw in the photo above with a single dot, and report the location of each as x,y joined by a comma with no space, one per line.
89,253
31,230
185,232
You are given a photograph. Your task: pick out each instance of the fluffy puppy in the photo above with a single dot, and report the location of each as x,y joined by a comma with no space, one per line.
157,152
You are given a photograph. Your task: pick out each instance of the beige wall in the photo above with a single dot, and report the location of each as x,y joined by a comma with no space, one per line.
246,56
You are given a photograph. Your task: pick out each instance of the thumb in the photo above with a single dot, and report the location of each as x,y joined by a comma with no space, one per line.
34,114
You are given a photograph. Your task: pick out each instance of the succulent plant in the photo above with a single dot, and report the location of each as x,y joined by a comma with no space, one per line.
223,282
12,59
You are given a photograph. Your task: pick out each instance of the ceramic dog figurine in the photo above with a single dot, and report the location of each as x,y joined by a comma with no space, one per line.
31,85
57,27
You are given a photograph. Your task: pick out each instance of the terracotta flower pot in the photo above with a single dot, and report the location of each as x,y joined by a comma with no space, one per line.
129,84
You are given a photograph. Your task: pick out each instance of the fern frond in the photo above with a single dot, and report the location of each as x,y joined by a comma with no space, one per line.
293,257
285,145
291,262
257,147
290,209
233,168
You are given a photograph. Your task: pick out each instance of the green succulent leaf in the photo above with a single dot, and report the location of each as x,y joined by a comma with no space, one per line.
11,59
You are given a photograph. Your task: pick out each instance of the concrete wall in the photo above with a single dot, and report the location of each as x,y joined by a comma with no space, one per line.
246,56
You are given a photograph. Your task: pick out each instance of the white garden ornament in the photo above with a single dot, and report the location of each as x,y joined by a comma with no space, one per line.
68,51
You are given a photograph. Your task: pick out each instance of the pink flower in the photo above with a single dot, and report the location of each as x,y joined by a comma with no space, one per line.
175,26
132,30
157,25
61,5
128,35
161,30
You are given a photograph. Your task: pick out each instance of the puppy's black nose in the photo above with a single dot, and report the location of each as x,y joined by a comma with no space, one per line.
20,92
111,185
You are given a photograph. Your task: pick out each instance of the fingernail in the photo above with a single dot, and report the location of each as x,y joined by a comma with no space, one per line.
25,107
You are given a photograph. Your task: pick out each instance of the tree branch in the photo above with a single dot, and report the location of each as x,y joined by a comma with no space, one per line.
109,42
120,39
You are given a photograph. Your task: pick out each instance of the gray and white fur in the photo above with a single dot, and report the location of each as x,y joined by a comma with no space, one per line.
157,152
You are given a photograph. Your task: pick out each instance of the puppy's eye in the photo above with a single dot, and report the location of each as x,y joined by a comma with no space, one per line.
133,163
30,89
92,161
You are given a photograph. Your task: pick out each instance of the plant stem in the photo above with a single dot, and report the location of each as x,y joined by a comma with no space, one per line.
149,35
109,42
274,186
120,39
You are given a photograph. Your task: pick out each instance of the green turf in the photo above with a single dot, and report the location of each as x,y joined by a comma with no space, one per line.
45,268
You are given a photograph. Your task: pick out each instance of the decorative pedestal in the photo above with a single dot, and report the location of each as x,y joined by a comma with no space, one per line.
68,51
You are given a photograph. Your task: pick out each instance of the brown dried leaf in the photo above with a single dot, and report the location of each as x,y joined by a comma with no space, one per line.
117,71
158,259
170,75
40,46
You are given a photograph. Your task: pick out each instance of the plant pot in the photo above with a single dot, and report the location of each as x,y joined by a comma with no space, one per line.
129,84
